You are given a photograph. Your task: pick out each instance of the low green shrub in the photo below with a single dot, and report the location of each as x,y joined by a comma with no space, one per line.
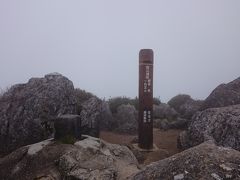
115,102
179,100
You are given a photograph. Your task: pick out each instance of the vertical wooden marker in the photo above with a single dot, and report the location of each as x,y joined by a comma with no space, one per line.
145,118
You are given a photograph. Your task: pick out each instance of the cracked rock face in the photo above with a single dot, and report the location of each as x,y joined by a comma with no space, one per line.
90,158
26,110
224,95
222,125
205,161
97,159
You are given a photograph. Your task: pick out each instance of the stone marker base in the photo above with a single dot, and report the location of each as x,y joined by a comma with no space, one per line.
155,148
67,127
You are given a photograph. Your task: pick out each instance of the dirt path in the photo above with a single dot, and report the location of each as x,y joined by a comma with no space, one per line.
166,141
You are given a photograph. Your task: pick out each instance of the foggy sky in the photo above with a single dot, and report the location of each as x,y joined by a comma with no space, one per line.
95,43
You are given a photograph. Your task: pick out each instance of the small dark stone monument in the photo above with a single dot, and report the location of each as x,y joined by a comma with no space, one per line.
145,118
67,125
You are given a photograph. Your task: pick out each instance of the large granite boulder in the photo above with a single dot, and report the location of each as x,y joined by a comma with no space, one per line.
126,119
164,111
218,124
224,95
90,158
26,110
206,161
185,105
95,116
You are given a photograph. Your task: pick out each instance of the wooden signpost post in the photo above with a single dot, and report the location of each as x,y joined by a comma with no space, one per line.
145,128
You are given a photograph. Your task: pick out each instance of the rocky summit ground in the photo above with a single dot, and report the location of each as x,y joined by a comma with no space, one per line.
195,139
88,159
166,141
203,162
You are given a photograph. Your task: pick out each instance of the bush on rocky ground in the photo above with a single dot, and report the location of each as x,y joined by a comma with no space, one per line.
115,102
179,100
164,111
156,101
165,124
126,119
185,105
1,92
82,96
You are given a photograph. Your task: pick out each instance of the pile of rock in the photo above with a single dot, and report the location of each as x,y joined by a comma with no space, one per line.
31,112
221,124
90,158
206,161
28,111
218,124
223,95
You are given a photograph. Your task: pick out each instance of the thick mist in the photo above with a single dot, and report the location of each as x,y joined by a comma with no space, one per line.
96,43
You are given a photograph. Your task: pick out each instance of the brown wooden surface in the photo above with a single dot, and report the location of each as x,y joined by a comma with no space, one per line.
145,129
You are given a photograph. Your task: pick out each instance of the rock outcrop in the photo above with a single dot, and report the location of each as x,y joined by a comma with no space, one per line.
90,158
223,95
206,161
97,159
26,110
126,119
218,124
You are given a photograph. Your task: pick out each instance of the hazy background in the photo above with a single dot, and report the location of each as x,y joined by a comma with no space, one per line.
95,43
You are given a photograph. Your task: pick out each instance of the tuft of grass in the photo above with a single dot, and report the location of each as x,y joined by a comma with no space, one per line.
68,139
